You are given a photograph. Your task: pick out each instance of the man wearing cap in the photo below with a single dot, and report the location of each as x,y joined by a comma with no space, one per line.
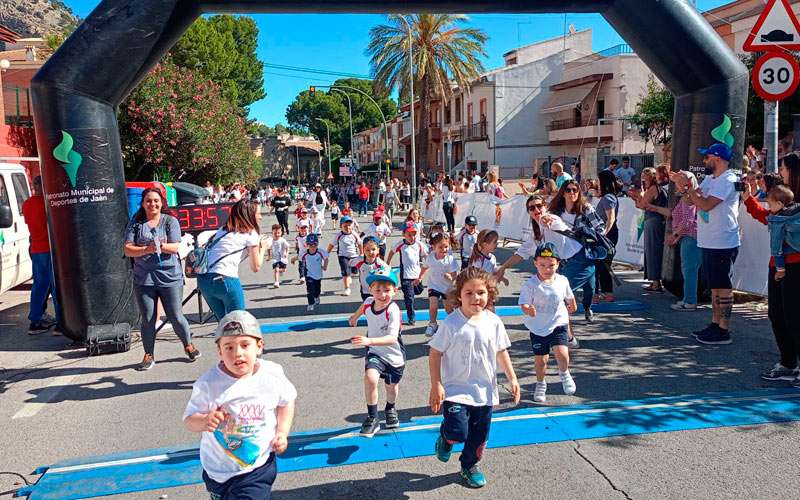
718,238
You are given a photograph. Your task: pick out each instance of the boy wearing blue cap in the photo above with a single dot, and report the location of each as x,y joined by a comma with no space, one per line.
315,263
348,246
546,299
244,407
385,356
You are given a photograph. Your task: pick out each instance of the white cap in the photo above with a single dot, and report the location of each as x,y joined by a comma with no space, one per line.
237,323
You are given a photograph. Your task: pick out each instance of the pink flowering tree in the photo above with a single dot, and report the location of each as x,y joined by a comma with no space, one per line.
178,126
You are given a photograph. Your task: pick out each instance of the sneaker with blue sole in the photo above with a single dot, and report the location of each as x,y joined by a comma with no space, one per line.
443,449
473,477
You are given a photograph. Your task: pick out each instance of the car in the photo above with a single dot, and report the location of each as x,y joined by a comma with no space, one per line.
16,267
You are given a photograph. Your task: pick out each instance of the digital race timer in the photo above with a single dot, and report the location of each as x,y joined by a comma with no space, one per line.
197,218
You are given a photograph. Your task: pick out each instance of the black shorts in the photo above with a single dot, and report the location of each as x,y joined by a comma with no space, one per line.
436,293
334,217
390,374
344,265
279,265
718,267
464,263
254,484
541,345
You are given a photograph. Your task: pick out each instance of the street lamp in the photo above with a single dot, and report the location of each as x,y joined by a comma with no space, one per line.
328,145
411,86
350,112
297,156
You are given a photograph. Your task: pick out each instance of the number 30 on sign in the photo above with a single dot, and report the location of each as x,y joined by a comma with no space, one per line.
775,76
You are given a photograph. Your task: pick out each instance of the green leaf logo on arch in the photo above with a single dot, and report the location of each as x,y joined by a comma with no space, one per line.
70,159
722,133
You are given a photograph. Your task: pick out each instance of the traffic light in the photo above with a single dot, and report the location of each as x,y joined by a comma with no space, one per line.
312,90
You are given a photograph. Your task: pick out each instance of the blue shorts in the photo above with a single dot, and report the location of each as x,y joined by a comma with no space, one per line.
344,265
718,267
541,345
254,484
391,374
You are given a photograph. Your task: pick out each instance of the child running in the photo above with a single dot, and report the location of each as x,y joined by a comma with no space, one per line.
442,267
302,219
463,361
546,300
315,263
300,249
412,253
348,246
278,252
244,408
379,230
467,238
335,214
368,264
482,255
385,356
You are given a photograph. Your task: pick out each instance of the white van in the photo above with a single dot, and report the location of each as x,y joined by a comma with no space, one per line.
14,234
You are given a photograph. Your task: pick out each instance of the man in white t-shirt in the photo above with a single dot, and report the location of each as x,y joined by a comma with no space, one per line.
718,237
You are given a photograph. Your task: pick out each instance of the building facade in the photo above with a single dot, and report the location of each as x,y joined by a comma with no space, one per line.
734,21
288,156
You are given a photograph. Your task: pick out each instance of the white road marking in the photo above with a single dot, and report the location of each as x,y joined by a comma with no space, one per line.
46,395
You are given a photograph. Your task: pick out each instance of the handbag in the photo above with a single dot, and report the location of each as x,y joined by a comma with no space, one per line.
596,245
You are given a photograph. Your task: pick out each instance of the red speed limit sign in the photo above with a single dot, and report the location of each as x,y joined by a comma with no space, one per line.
775,76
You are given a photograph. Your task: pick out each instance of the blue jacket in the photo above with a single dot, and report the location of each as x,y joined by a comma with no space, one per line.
784,233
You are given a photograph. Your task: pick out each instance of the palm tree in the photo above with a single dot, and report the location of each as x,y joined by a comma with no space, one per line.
443,52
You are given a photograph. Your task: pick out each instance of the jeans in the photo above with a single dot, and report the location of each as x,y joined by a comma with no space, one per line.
408,297
580,272
447,208
691,257
44,284
147,298
313,289
784,313
223,294
469,425
362,206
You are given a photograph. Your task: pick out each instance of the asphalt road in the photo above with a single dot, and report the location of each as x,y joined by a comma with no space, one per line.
58,404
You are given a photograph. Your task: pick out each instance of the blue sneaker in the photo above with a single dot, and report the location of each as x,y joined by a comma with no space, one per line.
443,449
473,477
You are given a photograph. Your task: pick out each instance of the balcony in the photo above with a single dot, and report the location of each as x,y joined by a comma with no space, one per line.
435,129
475,132
561,131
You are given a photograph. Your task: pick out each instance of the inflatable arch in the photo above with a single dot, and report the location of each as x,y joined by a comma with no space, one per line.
76,92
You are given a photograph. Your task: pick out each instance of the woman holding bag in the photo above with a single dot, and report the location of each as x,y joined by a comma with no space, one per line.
230,245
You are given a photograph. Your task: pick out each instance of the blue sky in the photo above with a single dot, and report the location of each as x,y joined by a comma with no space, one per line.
336,43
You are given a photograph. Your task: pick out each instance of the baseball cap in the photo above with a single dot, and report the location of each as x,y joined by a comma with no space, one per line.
312,239
546,250
717,149
318,185
371,239
237,323
346,219
471,220
409,226
382,274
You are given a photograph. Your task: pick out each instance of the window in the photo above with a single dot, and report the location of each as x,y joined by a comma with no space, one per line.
458,110
447,114
400,129
469,114
484,167
4,201
483,110
20,189
601,109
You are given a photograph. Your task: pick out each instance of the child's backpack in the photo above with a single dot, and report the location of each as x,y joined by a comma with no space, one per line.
196,262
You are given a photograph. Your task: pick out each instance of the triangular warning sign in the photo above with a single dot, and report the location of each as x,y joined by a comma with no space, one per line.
777,28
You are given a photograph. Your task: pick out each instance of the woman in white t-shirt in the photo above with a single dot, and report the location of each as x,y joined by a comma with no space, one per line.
449,203
229,246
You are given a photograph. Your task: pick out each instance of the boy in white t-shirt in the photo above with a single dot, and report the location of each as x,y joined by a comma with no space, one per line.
315,263
368,264
547,300
300,249
412,253
467,239
385,356
379,230
302,219
279,253
348,246
244,408
464,355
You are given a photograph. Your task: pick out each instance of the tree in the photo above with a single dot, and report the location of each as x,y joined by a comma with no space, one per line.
177,125
223,48
442,51
654,113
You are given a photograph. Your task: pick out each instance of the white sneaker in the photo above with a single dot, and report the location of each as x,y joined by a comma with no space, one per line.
277,284
302,281
567,383
310,307
540,392
431,329
683,306
346,292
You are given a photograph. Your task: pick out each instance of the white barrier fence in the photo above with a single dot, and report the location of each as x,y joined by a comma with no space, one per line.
510,219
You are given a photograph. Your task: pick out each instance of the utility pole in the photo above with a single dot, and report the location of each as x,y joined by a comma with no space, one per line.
413,131
350,112
771,135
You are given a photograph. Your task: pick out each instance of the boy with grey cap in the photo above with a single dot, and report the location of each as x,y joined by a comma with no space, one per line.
244,408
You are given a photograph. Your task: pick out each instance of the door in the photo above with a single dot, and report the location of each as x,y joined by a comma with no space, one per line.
14,240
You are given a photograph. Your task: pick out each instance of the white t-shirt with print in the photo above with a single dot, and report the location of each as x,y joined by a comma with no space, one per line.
380,324
380,231
242,441
469,360
467,241
438,268
486,263
314,262
719,228
549,301
280,249
230,242
411,256
300,243
346,245
365,268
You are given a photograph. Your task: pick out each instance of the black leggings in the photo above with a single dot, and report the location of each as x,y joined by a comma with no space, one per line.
283,220
605,283
783,298
447,207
